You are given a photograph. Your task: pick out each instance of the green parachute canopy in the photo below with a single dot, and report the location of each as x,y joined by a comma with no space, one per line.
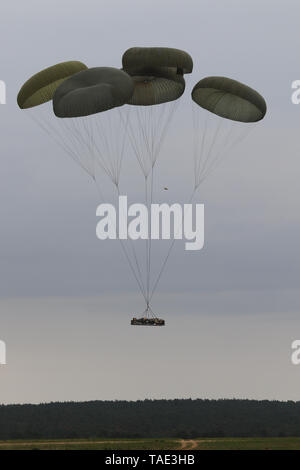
40,87
179,61
229,99
92,91
154,86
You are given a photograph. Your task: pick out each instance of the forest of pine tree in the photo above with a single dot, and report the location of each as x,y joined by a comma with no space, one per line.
185,418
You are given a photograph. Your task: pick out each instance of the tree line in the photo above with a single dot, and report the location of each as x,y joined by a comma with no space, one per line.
184,418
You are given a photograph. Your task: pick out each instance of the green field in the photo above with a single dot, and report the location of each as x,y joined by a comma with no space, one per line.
288,443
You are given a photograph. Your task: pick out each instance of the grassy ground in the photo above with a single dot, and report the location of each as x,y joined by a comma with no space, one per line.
276,443
156,444
91,444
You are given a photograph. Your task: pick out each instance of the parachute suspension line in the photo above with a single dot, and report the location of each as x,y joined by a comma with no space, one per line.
112,153
148,198
198,152
173,107
150,236
98,138
141,287
115,171
60,141
168,255
137,264
112,168
197,170
203,153
118,150
115,174
205,161
101,152
212,145
147,240
80,135
116,155
122,128
162,122
75,137
213,153
226,145
149,312
203,176
75,131
135,146
123,140
146,139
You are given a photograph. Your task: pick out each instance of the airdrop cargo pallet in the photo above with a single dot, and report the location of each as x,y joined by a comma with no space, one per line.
147,322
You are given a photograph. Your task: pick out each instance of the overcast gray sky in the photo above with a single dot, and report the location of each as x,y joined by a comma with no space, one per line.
232,309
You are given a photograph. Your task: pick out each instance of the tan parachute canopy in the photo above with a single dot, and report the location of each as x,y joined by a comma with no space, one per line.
229,99
40,87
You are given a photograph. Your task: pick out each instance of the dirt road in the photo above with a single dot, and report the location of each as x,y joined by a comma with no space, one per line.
188,444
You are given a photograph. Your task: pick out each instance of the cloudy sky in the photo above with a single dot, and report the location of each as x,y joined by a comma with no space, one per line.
232,309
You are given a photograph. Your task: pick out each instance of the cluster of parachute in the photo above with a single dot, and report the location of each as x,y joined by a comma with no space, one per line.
92,121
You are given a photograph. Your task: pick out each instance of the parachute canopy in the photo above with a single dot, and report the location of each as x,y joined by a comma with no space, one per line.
180,61
229,99
154,87
157,73
92,91
40,87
